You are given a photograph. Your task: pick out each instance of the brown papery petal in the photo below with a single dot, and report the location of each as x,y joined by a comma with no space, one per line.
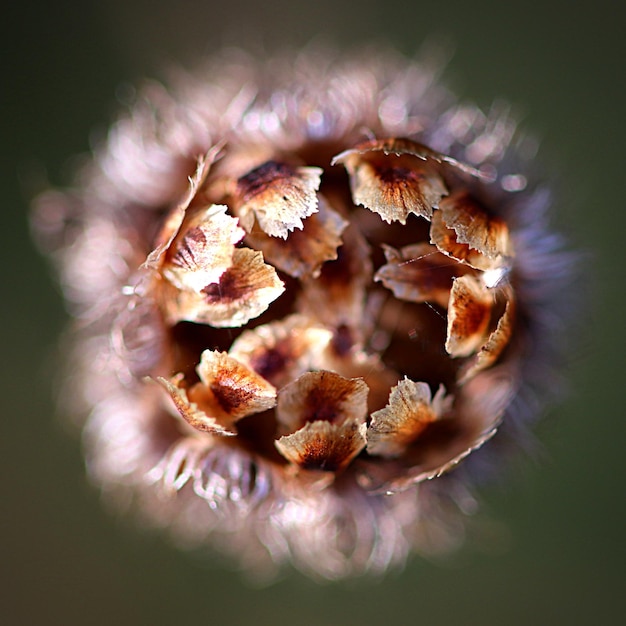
244,291
446,241
321,396
203,251
392,182
337,296
282,350
474,227
403,146
278,195
469,314
304,251
419,273
323,446
410,410
190,411
228,389
356,363
497,342
172,224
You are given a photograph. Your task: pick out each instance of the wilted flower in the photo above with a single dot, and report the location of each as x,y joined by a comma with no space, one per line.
303,290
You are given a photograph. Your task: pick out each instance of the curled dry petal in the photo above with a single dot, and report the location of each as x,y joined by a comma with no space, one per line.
190,411
171,226
496,343
410,410
283,350
321,396
392,179
303,252
473,226
419,273
469,313
243,292
278,195
445,240
227,391
463,230
323,446
203,249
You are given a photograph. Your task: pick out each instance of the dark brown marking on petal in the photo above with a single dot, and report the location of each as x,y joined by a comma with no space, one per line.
233,285
324,403
323,446
262,178
319,455
224,291
229,396
184,256
342,340
271,361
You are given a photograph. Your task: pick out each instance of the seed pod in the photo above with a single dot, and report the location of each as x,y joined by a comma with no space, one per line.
299,297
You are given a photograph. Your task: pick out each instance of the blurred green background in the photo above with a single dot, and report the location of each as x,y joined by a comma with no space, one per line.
64,560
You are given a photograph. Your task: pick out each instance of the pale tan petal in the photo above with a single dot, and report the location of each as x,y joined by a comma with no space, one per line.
497,342
469,314
190,411
393,179
410,410
419,273
282,350
323,446
321,396
473,226
203,250
304,251
244,291
278,195
228,389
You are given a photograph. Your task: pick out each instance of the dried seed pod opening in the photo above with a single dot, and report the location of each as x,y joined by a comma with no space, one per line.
203,251
410,410
393,179
278,196
227,391
321,287
322,396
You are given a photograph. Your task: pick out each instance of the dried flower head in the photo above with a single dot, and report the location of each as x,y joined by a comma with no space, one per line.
302,290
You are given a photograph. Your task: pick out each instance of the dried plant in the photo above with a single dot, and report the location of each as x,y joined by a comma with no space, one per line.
303,290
